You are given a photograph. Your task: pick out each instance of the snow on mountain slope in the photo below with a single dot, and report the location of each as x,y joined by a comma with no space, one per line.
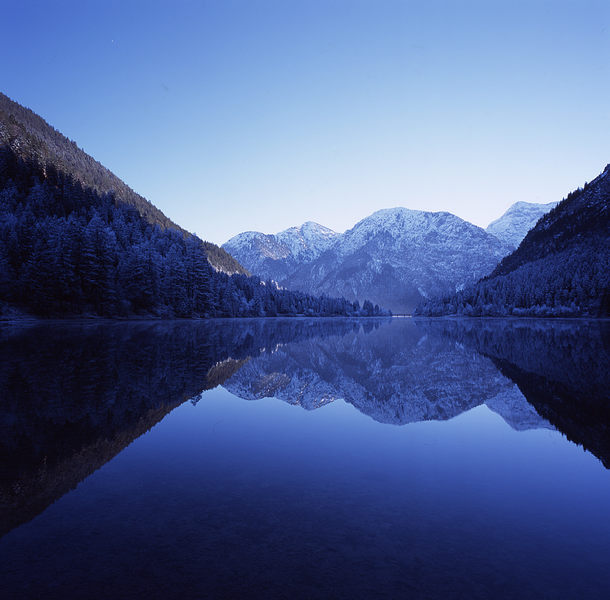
274,256
514,224
396,256
560,268
308,241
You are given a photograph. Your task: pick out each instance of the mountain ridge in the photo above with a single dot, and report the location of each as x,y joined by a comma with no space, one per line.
272,256
379,258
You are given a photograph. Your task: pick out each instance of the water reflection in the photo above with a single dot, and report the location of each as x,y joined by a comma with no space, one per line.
561,367
400,373
73,396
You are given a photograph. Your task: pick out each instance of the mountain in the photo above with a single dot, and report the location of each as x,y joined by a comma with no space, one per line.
561,268
276,256
514,224
394,257
397,256
31,138
75,240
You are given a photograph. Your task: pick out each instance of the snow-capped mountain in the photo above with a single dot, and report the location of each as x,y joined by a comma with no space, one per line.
275,256
394,257
514,224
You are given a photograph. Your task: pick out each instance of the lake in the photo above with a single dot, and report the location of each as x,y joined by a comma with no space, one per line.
305,458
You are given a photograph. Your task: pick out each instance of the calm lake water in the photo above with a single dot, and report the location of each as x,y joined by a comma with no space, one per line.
297,458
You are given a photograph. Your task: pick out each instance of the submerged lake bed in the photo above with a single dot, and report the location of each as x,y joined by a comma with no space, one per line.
350,458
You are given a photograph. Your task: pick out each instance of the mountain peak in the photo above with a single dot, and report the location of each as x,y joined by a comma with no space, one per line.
394,212
308,228
520,217
271,256
315,226
408,216
404,224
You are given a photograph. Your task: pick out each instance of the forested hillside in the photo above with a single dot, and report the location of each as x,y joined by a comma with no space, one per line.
562,267
72,243
32,139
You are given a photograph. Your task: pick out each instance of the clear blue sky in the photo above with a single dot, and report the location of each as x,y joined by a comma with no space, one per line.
232,116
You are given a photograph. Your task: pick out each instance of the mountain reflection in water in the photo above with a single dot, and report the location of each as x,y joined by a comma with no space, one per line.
73,396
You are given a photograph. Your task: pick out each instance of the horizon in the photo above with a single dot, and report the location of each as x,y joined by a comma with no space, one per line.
258,116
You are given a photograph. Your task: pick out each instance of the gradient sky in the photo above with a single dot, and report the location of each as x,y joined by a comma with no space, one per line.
259,115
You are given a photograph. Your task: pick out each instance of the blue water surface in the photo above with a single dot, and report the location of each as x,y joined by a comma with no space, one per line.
305,494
